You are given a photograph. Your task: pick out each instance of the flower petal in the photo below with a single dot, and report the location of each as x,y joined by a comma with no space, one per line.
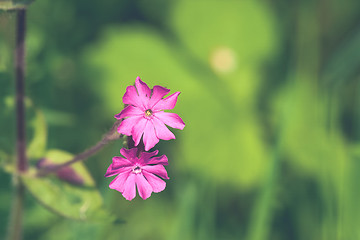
150,139
131,97
119,182
156,183
119,162
145,156
129,154
158,160
144,188
167,103
158,93
144,92
111,171
171,119
162,132
138,130
127,125
156,169
142,88
129,111
129,190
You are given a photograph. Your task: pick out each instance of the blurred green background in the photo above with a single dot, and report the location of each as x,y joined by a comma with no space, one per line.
270,98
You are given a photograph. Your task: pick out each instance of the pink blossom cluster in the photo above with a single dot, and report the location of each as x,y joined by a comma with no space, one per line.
145,121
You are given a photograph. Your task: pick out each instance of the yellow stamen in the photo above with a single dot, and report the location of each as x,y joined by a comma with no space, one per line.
148,113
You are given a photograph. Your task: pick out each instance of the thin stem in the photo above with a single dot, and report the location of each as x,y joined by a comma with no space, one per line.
20,89
15,223
110,136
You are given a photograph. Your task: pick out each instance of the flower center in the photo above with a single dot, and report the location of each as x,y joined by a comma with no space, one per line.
148,113
136,170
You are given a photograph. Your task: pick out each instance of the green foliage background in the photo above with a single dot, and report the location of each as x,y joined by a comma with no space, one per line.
270,98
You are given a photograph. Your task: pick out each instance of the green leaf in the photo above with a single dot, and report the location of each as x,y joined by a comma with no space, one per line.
14,4
37,146
70,201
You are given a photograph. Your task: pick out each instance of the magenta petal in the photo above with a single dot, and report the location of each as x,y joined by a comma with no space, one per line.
162,132
156,169
119,162
144,92
142,88
150,139
126,126
129,190
129,154
110,171
119,182
144,188
158,160
156,183
171,119
157,94
138,130
144,157
131,97
167,103
129,111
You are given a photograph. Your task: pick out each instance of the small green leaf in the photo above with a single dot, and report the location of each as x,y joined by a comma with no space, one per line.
37,146
70,201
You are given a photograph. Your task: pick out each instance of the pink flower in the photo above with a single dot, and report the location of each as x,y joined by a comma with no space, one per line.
139,171
144,115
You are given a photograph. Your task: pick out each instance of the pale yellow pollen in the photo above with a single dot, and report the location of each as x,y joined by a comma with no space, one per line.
148,113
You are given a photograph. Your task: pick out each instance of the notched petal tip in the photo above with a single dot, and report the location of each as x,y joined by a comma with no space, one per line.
129,198
167,103
155,152
143,90
158,92
138,130
129,190
117,116
156,183
162,132
129,111
128,153
126,126
143,186
145,156
157,170
154,142
171,119
163,159
150,139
